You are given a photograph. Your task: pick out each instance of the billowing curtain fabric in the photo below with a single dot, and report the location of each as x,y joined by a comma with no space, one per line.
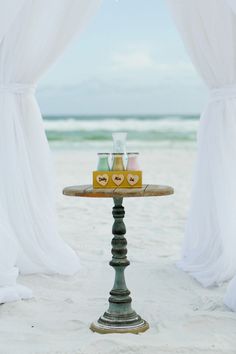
230,297
208,28
33,33
232,4
9,11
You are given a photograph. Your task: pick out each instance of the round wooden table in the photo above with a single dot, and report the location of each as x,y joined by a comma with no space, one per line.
120,317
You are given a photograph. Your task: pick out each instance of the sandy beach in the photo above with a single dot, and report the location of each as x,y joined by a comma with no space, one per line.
183,316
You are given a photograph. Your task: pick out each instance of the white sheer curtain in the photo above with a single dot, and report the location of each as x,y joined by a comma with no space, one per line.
232,3
9,11
32,35
208,28
230,297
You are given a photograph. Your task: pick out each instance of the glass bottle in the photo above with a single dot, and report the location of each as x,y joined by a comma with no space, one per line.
133,164
119,142
103,163
118,163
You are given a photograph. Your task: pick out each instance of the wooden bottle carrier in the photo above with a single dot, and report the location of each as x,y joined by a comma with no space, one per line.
117,179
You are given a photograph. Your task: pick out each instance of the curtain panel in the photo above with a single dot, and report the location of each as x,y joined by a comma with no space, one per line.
230,297
232,4
9,11
208,29
33,33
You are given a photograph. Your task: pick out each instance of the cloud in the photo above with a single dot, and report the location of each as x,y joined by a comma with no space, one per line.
132,60
141,64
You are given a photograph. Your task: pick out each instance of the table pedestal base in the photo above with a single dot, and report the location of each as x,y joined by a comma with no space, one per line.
115,327
120,317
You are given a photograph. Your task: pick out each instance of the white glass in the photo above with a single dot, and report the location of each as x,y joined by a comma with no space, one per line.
133,164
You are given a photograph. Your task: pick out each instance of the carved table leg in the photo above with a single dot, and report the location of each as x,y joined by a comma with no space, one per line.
120,317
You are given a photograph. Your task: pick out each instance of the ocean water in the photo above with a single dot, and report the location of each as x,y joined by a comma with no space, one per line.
145,131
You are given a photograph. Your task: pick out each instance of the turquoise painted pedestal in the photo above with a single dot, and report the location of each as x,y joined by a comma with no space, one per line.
120,317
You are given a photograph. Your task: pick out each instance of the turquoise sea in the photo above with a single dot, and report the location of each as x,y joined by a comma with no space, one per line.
143,130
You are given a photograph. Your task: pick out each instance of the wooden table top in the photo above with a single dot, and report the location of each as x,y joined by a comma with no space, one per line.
148,190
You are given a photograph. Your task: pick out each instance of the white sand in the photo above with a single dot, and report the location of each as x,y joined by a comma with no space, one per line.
183,317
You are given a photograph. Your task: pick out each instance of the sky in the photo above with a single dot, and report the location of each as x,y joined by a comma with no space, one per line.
129,59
